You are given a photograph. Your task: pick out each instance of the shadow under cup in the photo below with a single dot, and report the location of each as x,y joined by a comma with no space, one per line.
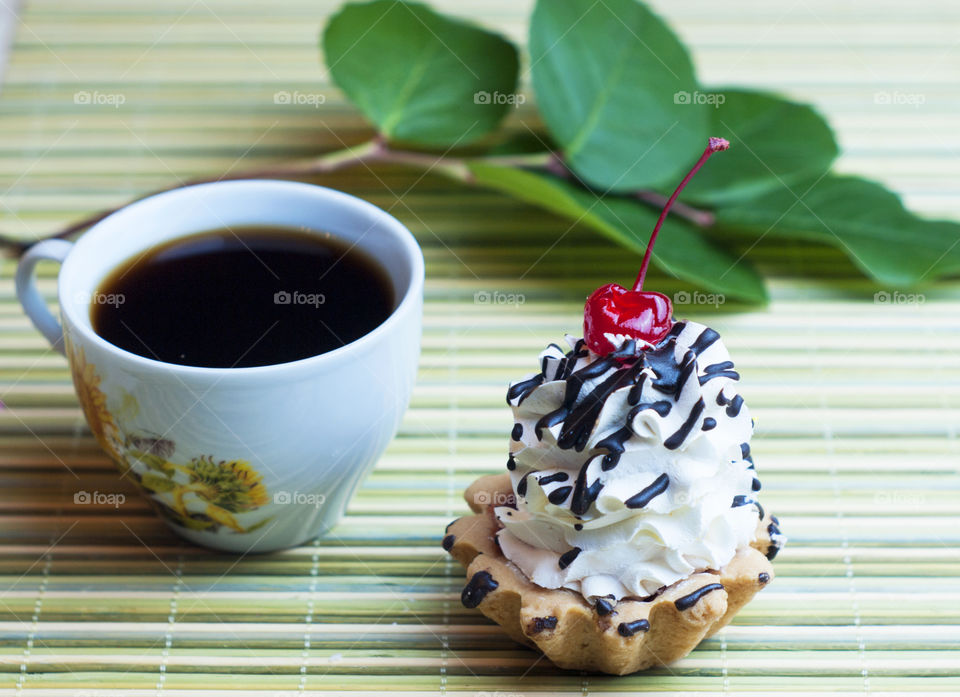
239,459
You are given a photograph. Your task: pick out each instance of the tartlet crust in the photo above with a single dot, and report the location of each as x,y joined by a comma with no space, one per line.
567,629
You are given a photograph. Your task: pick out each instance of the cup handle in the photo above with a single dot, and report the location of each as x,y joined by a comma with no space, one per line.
26,282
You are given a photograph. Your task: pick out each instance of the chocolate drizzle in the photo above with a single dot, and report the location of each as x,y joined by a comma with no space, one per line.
614,443
614,446
688,601
733,405
675,331
628,629
577,415
551,478
719,370
676,440
539,624
567,363
641,499
549,421
662,407
627,350
563,364
579,410
776,538
574,385
543,362
741,500
579,423
663,362
566,559
633,396
584,495
557,496
672,376
708,337
521,390
477,589
603,607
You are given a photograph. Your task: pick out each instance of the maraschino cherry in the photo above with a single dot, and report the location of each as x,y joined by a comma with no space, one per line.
639,314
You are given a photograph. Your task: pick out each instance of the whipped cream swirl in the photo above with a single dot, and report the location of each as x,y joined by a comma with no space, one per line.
629,473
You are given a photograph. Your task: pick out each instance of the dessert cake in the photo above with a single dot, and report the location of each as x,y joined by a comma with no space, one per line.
627,526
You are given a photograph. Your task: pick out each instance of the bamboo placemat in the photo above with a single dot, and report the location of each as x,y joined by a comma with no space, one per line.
857,403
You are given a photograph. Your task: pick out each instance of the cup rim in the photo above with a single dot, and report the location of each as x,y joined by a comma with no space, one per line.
335,197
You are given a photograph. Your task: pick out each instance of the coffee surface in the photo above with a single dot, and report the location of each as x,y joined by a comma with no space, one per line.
242,297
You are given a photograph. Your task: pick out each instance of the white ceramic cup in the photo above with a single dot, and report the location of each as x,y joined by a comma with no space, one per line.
239,459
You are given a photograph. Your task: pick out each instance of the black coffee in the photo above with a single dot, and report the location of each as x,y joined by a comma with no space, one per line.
243,297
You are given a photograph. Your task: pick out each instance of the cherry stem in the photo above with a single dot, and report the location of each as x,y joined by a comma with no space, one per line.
713,145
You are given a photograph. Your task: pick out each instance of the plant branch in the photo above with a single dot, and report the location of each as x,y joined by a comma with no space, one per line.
537,160
375,151
698,217
329,162
555,165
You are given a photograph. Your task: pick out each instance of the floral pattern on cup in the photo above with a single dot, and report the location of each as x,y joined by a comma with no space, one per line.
200,494
93,401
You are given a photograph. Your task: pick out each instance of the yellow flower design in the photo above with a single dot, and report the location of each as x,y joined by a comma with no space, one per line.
93,401
225,487
234,485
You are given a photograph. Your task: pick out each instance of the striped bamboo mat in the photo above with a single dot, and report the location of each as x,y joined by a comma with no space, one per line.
857,403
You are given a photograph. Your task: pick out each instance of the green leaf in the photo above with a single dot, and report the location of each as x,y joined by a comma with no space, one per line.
863,218
223,517
773,141
610,78
681,250
154,462
418,76
539,190
156,483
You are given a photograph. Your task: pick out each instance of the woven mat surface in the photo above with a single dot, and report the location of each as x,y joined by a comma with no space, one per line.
857,402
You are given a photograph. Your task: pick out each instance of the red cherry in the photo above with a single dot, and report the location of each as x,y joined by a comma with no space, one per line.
642,315
612,309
